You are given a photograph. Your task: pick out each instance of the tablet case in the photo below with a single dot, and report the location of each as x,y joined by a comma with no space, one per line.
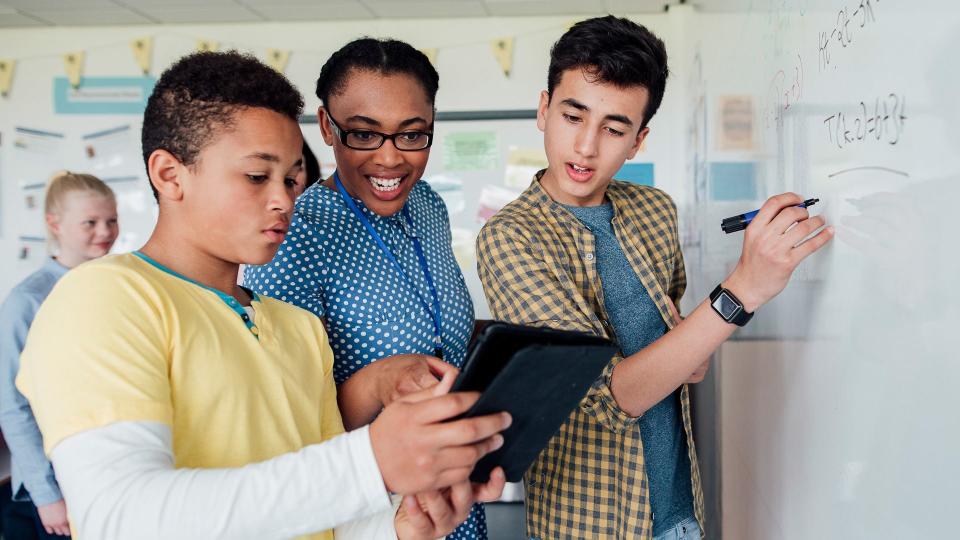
539,386
496,344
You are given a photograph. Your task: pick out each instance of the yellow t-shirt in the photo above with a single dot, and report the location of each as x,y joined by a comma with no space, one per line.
120,339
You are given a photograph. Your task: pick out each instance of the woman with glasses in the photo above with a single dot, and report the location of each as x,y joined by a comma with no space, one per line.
369,249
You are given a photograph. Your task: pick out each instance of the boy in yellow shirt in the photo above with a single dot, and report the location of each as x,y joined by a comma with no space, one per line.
176,404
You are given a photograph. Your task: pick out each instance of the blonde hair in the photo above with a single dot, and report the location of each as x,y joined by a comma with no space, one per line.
65,182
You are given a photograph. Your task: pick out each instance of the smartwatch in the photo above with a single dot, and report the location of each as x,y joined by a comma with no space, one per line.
729,307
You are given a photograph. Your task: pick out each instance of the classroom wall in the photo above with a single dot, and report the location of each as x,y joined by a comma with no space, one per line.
470,80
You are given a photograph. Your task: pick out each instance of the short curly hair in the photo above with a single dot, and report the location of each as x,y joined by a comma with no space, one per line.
200,94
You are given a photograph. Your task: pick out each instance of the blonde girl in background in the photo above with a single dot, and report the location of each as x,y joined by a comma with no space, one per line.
81,218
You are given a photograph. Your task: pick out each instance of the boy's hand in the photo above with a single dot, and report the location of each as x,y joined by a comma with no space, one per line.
773,247
53,516
418,450
405,374
434,514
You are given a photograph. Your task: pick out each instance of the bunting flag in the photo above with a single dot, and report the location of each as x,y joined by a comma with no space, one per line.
73,63
143,53
277,59
6,76
431,55
503,51
204,45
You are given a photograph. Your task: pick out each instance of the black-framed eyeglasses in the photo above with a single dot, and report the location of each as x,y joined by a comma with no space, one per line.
366,139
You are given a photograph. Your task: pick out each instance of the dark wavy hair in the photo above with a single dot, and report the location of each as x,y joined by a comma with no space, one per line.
613,50
387,56
199,95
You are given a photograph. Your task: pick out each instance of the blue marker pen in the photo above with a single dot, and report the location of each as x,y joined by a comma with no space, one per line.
739,223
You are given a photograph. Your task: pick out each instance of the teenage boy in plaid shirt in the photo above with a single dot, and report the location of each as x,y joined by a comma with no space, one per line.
581,251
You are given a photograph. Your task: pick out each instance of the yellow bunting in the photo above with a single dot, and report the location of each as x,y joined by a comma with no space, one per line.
503,51
6,76
204,45
431,55
143,52
277,59
73,63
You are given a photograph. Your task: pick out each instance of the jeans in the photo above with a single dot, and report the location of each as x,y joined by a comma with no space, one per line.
687,529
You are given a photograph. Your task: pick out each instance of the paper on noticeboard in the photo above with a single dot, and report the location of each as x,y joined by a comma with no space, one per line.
735,124
522,164
470,151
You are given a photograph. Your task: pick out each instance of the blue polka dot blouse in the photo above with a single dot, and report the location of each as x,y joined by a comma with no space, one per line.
329,265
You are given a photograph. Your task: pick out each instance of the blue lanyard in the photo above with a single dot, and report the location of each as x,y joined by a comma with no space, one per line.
435,312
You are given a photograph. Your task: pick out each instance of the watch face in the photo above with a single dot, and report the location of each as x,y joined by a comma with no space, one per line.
726,306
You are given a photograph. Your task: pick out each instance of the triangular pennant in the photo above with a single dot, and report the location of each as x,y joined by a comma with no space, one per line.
277,59
143,52
204,45
431,55
6,76
503,51
73,63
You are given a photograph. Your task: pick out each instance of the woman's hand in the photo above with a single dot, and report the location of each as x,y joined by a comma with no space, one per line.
405,374
364,395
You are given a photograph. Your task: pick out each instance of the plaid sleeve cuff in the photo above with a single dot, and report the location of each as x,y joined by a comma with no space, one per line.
600,403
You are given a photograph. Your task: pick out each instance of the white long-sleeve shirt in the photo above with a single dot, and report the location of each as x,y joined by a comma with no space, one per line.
119,482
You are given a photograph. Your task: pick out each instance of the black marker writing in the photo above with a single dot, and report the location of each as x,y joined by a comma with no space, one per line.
785,90
883,121
844,30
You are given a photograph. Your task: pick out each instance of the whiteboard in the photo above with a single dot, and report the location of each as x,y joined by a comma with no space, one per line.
837,411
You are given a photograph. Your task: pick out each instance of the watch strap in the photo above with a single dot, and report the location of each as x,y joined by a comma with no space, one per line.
741,318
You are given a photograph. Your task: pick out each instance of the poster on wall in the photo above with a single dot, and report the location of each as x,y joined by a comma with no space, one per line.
470,151
450,189
102,95
735,123
36,155
522,164
113,152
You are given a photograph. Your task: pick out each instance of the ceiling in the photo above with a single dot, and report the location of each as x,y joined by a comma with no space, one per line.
47,13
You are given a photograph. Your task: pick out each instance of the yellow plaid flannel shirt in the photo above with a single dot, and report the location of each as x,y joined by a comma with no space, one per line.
536,261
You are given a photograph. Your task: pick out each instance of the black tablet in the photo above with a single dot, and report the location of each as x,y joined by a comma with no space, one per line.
539,376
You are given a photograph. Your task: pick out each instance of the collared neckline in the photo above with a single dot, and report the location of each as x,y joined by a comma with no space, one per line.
230,301
540,195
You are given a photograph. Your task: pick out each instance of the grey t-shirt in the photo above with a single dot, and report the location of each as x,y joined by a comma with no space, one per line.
637,323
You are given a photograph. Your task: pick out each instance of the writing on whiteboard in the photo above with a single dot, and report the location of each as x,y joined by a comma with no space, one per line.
844,29
883,120
784,91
